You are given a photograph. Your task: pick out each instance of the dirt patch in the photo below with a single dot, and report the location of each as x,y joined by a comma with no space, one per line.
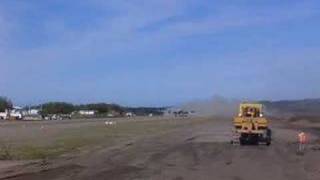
196,149
63,171
120,172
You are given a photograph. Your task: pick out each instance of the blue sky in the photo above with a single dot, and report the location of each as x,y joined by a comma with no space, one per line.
158,52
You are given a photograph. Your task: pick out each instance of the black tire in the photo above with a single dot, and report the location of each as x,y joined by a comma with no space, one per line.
269,133
242,142
268,143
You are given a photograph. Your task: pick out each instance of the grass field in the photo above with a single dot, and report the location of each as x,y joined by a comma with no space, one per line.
42,140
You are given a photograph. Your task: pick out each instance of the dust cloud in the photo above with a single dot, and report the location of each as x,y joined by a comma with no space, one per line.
215,106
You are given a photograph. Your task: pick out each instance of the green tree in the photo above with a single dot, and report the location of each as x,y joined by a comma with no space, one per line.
57,108
5,103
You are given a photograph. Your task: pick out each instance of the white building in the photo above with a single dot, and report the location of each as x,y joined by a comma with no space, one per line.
130,114
4,115
31,112
14,113
87,112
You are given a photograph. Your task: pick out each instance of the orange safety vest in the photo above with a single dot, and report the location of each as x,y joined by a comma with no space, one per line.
302,137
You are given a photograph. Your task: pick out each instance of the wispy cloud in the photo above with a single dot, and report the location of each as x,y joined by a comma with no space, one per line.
125,30
127,27
232,17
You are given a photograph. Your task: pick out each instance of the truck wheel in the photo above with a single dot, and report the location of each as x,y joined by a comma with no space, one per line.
242,142
269,133
268,143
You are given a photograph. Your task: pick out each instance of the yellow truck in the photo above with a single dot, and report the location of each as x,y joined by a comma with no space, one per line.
250,126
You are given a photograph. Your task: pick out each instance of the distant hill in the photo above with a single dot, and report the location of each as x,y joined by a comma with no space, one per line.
220,106
293,108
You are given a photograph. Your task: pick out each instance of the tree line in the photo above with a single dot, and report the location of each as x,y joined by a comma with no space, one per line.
99,108
68,108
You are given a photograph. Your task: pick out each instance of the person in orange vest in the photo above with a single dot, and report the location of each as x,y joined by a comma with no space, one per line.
302,141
